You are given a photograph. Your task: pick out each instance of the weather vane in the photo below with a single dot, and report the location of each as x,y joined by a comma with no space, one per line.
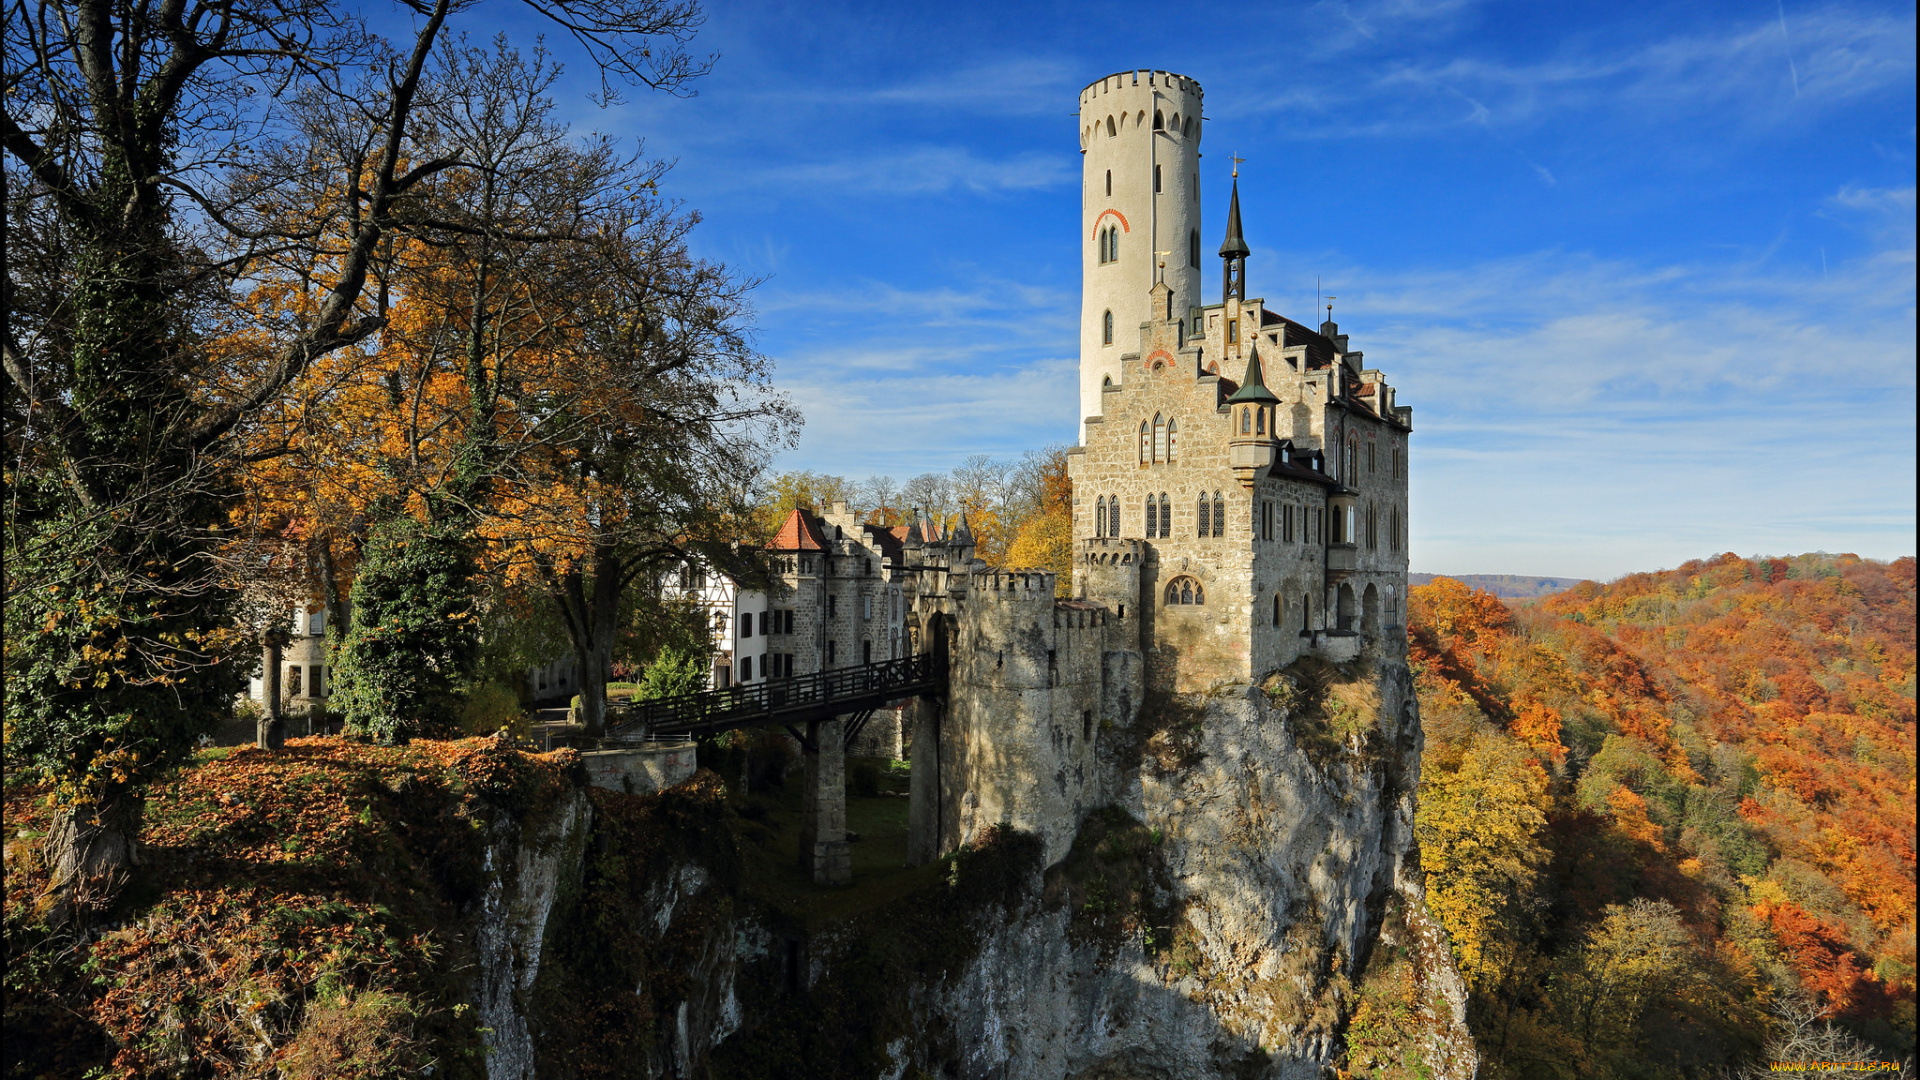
1236,165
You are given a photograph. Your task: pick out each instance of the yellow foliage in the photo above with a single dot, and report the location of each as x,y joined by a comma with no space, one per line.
1480,841
1045,542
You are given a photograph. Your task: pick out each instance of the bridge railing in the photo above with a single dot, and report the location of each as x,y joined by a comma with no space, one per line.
774,699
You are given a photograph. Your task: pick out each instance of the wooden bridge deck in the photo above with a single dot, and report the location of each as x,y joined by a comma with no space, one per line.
791,703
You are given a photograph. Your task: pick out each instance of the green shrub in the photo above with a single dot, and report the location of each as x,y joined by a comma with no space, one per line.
491,707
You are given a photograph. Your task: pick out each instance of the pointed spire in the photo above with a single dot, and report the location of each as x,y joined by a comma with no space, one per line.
963,535
1253,389
1235,246
914,538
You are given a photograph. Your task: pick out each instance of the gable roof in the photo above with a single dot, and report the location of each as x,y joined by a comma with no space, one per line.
800,532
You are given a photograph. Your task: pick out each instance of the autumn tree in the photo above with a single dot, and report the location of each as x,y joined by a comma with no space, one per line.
149,146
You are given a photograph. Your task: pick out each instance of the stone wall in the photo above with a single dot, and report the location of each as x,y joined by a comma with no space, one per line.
640,770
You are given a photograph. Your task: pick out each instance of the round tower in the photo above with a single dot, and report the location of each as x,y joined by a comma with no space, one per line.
1140,207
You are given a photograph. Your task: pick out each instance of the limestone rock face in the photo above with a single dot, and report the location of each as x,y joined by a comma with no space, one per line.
1277,851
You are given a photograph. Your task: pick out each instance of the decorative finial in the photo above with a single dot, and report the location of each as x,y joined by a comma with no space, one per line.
1236,165
1330,299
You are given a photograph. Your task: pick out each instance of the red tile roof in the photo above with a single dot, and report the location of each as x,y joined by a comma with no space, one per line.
800,532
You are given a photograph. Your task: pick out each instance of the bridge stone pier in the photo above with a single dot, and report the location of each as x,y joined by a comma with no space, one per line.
824,851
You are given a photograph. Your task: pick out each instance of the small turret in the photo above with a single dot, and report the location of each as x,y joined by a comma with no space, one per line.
1251,412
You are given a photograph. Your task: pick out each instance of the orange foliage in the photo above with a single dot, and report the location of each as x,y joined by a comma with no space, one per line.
1753,727
1818,950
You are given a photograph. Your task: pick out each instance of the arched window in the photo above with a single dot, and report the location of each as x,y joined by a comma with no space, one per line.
1166,516
1373,531
1185,590
1100,516
1260,421
1182,331
1109,183
1158,123
1110,129
1113,244
1204,515
1188,128
1106,328
1193,248
1159,438
1153,518
1146,445
1101,243
1174,124
1113,516
1353,459
1173,441
1370,452
1306,614
1156,179
1219,515
1393,530
1276,609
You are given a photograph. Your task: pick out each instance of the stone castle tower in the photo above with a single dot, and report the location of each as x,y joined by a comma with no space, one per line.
1253,469
1140,185
1240,501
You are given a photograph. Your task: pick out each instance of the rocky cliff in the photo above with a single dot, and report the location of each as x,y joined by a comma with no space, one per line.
1249,904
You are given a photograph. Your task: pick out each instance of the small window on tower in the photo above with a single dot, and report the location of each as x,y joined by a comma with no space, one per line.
1106,328
1156,179
1159,124
1193,248
1109,183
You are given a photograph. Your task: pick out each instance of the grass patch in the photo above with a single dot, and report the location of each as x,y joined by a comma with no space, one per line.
1334,708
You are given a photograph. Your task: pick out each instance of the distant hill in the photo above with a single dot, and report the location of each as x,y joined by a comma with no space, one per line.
1510,586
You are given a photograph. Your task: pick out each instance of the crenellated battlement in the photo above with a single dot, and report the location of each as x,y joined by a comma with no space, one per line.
1111,551
1012,586
1168,83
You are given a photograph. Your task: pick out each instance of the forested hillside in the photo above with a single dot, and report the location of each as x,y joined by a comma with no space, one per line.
1661,815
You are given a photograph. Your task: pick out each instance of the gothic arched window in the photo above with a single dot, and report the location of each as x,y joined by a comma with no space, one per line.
1219,515
1153,518
1204,515
1110,128
1259,421
1276,609
1173,441
1185,590
1159,438
1146,445
1166,515
1106,328
1159,123
1100,516
1246,420
1113,516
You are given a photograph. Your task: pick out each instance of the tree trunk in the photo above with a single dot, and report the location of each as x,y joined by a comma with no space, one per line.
91,852
590,608
270,733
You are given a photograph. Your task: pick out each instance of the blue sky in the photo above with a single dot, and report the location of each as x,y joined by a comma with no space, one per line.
1644,271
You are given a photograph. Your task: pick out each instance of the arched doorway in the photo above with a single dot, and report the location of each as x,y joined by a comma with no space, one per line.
1370,613
1343,618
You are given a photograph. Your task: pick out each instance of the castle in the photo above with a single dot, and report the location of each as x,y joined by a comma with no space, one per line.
1240,501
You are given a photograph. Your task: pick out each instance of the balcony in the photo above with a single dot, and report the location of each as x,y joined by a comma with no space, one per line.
1342,560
